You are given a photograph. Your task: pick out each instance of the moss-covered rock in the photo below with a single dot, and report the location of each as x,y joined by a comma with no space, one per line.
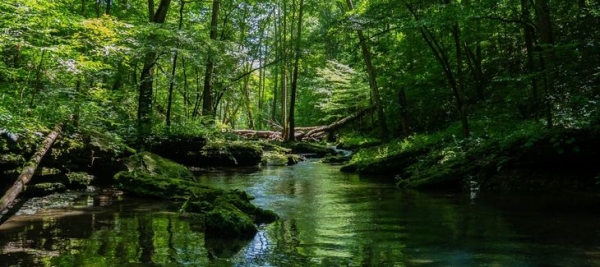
272,158
99,154
229,154
197,152
228,221
228,213
339,159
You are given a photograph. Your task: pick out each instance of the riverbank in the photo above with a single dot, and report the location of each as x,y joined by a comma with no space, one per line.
78,160
526,158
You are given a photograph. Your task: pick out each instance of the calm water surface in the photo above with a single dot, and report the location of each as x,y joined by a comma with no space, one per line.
328,219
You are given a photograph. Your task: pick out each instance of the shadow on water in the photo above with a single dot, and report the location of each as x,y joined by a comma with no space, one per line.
328,218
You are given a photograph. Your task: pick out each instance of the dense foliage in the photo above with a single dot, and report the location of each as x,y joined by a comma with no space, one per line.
134,67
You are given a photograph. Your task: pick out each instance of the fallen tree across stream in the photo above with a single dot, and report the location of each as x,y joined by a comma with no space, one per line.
305,133
29,169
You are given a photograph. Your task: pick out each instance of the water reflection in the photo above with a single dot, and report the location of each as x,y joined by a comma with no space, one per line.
121,235
335,219
328,219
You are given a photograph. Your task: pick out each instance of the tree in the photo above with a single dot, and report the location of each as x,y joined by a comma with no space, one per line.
207,100
291,135
147,75
372,76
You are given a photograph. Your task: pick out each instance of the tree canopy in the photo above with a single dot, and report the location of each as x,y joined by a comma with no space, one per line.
135,67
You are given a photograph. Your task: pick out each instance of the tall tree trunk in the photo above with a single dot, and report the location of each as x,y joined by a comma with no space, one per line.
174,68
246,93
147,76
98,8
474,64
442,57
403,112
207,101
109,6
196,110
38,79
460,91
372,78
171,86
29,169
186,93
284,93
529,36
278,65
291,135
547,57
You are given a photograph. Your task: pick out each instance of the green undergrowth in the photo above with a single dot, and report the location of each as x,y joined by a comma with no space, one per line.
357,141
446,161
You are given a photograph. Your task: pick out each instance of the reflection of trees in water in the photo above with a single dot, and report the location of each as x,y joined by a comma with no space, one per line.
145,239
104,239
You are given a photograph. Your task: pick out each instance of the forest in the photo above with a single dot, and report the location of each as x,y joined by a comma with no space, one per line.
431,94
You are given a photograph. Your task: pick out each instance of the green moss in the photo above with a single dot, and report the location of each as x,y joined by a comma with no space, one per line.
79,179
44,189
354,142
336,159
155,165
228,213
272,158
228,221
12,159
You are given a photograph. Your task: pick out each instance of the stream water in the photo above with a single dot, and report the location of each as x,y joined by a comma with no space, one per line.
328,219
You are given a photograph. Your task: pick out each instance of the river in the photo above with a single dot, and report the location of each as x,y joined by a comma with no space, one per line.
328,218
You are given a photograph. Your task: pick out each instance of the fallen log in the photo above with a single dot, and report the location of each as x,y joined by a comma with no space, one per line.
29,169
335,125
258,134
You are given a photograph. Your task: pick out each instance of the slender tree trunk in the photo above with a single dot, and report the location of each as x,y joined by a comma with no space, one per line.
29,169
546,56
403,112
38,79
372,78
284,93
474,64
441,55
460,80
186,93
98,8
278,65
170,93
196,110
174,69
291,134
109,6
246,94
529,36
147,76
207,101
